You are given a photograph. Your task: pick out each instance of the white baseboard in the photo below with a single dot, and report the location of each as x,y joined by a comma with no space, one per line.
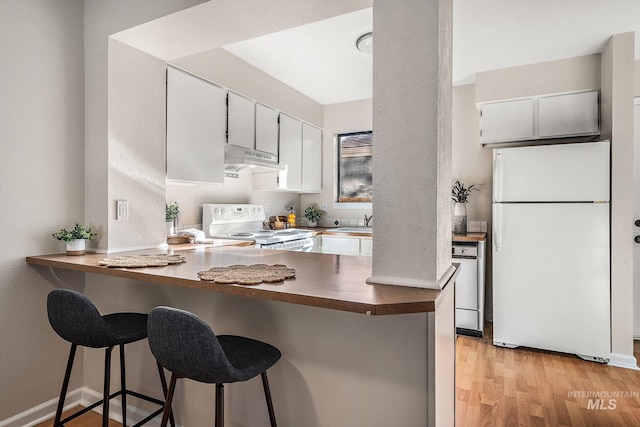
43,412
624,361
79,397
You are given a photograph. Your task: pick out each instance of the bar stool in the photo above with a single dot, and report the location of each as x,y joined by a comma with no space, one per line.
77,320
186,345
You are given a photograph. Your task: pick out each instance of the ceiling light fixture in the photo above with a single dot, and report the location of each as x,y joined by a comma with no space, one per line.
365,43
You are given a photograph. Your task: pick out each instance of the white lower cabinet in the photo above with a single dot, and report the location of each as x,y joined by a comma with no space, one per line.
366,246
346,245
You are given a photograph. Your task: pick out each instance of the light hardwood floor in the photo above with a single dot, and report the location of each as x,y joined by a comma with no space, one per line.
527,387
499,387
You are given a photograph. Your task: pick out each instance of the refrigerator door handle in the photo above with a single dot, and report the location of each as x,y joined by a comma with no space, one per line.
497,177
497,226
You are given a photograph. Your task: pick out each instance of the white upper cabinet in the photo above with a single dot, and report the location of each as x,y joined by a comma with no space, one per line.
507,121
241,121
196,128
290,153
266,129
311,159
568,115
544,117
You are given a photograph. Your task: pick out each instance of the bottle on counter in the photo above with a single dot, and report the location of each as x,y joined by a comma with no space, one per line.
291,218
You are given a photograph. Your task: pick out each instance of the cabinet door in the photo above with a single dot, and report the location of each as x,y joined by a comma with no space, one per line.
568,115
241,121
366,246
311,159
196,128
467,284
340,245
290,153
507,121
266,129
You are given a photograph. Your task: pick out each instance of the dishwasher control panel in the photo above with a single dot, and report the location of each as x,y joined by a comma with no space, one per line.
461,251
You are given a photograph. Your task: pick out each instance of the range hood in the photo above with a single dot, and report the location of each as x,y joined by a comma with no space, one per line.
241,159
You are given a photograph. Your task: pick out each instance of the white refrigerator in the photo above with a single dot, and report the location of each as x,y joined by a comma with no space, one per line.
551,255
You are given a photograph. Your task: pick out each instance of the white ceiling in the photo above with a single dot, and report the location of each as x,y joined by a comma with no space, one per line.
321,61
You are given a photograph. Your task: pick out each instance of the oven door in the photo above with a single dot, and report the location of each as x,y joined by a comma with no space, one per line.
300,245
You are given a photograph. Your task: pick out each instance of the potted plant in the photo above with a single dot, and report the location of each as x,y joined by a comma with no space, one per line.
312,215
171,214
75,238
460,196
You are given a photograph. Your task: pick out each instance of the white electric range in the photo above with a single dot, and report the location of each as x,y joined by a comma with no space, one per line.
246,222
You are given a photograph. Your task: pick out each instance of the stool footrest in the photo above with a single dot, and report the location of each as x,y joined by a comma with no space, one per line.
111,396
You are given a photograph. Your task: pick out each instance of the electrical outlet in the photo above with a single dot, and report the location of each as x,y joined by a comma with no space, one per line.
266,207
122,210
324,207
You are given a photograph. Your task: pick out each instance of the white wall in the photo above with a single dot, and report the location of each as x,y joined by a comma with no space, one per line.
102,19
617,125
41,186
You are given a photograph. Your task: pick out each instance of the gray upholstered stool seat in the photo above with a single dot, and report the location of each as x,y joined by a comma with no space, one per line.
187,346
74,317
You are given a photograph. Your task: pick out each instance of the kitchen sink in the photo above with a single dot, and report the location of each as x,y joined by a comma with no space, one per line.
352,229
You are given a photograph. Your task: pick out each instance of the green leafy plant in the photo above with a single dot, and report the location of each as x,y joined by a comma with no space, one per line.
172,211
77,232
460,193
312,214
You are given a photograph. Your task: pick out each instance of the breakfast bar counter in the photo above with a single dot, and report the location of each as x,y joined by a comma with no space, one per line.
322,280
353,353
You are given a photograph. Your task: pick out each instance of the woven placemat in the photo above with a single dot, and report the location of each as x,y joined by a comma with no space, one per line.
132,261
248,274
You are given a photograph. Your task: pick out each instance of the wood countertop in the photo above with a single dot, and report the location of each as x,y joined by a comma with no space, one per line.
330,281
469,237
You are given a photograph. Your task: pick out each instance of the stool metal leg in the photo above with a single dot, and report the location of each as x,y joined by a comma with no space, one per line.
123,386
65,385
105,392
168,399
163,381
267,395
219,405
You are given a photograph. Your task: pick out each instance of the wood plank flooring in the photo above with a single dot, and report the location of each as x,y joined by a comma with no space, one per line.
527,387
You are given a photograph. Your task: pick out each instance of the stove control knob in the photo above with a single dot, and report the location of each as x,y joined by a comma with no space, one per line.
637,239
637,222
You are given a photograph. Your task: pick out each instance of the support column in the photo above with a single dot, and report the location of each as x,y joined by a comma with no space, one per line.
412,143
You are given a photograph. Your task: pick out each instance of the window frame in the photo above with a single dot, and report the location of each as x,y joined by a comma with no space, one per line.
340,198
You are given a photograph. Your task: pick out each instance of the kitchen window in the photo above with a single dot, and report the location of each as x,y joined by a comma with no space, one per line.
355,169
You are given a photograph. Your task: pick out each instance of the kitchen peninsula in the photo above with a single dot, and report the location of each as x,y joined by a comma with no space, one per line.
339,367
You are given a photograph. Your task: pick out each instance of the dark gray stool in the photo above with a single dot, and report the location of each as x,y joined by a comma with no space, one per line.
74,317
185,345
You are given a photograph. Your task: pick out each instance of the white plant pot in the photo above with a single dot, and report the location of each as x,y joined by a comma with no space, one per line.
171,230
459,218
312,224
76,247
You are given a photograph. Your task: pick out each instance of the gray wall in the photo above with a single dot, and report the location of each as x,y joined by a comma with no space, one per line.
41,184
46,84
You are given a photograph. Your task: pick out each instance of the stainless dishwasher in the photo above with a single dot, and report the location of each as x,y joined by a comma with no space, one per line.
469,287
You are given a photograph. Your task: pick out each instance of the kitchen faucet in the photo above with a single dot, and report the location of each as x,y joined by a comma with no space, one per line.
367,219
